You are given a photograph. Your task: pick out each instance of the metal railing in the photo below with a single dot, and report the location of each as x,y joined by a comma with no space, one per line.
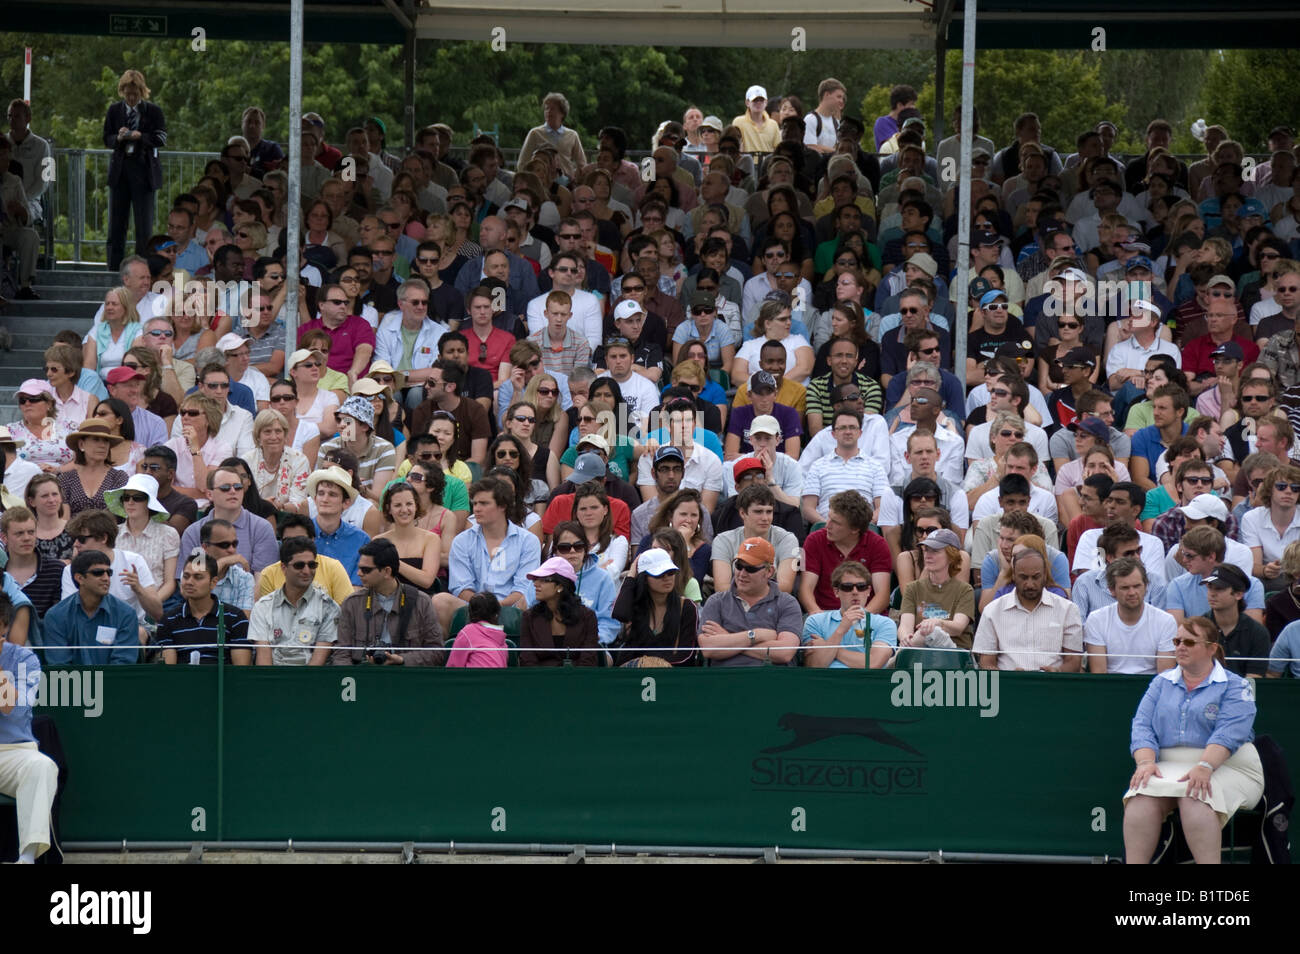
77,200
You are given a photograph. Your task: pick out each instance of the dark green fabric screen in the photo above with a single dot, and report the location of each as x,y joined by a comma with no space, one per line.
581,757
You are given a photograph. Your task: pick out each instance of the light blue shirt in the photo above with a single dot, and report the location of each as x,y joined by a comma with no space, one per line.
1187,593
596,589
236,589
24,668
1286,647
719,335
193,258
471,567
19,599
707,439
92,382
1060,569
1220,710
506,393
114,628
882,630
1090,593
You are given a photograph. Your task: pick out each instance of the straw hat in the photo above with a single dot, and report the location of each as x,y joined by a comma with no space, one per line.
332,475
7,438
92,428
383,367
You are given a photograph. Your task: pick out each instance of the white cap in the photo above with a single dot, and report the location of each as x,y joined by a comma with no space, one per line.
231,342
1074,275
755,92
1205,506
626,309
655,562
594,440
765,424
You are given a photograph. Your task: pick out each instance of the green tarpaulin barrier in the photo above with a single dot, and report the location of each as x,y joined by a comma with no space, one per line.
1029,763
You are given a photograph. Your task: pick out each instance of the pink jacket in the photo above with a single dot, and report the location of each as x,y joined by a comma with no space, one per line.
476,647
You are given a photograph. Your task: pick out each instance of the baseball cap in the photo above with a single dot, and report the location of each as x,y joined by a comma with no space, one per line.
231,342
979,287
587,467
761,381
516,203
555,566
745,464
301,355
1074,275
655,562
1078,358
668,452
119,374
985,237
1229,350
712,122
167,244
1221,280
700,299
594,440
756,552
1252,207
979,152
1139,261
1227,575
1141,304
913,121
765,424
1206,506
626,309
755,92
1092,425
925,262
941,538
1012,349
1135,245
992,295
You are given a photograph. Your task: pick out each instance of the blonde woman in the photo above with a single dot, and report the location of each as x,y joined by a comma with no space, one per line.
251,240
419,549
62,370
279,471
543,393
192,329
197,450
109,340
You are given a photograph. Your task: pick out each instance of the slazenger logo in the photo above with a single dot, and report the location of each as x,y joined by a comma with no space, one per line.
773,771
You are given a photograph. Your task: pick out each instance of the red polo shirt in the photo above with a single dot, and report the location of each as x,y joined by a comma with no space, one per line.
1196,354
352,334
498,343
820,556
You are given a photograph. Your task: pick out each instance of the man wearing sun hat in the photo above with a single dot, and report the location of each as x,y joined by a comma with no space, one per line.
237,352
331,488
376,457
759,132
753,622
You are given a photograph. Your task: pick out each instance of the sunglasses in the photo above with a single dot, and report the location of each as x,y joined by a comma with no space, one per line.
1227,294
785,274
741,566
1007,432
425,260
1253,398
338,301
548,392
415,478
99,571
363,570
1000,392
935,350
1069,324
996,306
308,364
853,587
84,538
1189,643
570,547
524,420
1282,485
223,544
565,269
134,498
282,397
926,531
1290,289
569,235
417,302
1199,481
157,333
306,565
190,412
151,468
227,488
633,288
26,399
217,385
909,311
507,454
704,310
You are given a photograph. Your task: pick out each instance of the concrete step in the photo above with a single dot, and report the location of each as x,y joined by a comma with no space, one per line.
36,341
98,278
72,292
8,413
52,309
48,326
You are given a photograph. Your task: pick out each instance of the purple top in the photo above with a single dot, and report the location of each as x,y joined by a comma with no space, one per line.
743,416
885,127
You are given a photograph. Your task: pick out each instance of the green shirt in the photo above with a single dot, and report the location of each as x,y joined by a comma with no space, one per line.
408,345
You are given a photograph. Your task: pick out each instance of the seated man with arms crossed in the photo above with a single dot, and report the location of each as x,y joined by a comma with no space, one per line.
297,624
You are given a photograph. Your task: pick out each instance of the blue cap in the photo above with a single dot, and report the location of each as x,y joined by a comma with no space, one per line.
1140,261
990,296
1252,207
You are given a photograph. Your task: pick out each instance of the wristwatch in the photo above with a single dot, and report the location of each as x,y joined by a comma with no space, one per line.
751,637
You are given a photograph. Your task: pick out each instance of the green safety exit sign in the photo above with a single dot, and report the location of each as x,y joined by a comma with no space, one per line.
137,24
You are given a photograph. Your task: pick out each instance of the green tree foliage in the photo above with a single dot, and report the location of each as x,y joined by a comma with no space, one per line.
1248,92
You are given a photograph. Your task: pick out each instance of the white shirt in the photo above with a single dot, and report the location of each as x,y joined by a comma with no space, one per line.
979,396
18,475
641,396
977,444
1129,354
1257,530
236,428
1131,649
833,474
1153,555
952,454
256,382
703,470
122,560
829,135
756,289
751,348
587,318
786,474
874,442
1040,502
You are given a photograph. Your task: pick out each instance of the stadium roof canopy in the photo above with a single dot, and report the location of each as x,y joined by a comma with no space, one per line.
829,24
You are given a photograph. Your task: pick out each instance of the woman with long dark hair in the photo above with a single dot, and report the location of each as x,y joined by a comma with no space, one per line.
558,620
509,452
518,512
592,510
595,586
683,514
919,524
658,622
429,481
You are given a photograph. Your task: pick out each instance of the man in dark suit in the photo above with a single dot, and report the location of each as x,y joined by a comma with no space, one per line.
135,130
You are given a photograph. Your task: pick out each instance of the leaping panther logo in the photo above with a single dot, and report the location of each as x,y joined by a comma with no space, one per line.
808,729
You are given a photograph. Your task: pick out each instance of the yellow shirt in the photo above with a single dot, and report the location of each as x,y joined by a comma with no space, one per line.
331,380
755,138
460,471
792,394
329,574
